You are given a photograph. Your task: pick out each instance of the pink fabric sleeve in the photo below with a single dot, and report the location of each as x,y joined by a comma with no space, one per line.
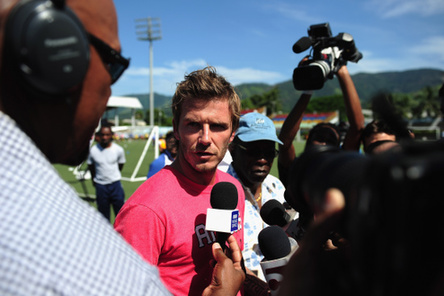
143,230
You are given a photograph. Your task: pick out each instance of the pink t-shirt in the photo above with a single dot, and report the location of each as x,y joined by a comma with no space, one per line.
164,220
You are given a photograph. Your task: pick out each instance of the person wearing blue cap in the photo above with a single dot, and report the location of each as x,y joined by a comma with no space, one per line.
253,151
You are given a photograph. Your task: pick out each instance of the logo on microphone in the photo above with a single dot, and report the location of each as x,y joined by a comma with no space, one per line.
226,221
234,220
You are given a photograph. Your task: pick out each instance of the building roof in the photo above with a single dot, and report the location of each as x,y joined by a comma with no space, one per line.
124,102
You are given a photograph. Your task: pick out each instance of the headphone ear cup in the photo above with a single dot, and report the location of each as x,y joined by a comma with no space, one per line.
49,46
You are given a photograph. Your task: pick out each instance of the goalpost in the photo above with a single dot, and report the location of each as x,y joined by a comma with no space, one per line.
133,104
154,134
83,175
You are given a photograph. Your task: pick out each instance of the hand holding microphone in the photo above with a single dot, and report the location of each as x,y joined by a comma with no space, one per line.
228,275
223,216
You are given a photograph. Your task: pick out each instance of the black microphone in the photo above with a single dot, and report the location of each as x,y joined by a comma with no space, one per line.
224,196
274,213
274,242
277,249
302,44
223,218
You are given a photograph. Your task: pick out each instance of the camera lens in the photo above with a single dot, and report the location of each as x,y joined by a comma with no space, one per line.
311,76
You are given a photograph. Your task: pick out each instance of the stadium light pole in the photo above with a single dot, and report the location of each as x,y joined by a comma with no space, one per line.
148,29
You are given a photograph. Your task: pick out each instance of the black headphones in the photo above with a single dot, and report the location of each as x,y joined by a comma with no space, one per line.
49,45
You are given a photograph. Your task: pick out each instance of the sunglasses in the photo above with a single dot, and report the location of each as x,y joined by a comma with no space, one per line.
255,152
114,61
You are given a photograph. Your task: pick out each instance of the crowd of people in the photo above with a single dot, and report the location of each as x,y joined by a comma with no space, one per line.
351,242
52,242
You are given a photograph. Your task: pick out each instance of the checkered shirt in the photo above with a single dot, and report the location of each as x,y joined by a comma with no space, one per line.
52,242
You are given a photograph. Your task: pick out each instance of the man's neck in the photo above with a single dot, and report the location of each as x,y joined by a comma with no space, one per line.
170,155
105,146
254,187
202,178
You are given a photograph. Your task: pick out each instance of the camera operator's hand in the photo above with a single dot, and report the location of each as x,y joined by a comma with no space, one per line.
228,275
312,270
341,62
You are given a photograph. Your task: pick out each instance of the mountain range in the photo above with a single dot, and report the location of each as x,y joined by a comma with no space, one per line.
367,85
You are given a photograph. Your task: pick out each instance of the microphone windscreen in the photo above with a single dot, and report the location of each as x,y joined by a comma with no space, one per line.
224,196
273,213
302,45
274,242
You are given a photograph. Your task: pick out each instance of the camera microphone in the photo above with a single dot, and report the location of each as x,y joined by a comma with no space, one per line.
223,218
302,44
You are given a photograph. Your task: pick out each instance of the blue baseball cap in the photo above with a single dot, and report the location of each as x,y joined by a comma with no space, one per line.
256,127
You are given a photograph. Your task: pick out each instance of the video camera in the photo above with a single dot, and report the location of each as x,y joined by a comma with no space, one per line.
329,54
393,215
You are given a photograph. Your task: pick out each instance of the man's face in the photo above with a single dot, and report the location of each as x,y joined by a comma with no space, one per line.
171,145
253,160
105,137
204,131
99,18
73,117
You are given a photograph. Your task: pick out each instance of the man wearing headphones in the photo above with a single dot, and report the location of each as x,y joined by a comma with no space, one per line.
57,64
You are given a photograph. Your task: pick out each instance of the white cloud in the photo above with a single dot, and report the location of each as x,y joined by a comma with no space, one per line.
431,47
395,8
428,54
136,80
137,71
175,68
293,12
372,64
250,75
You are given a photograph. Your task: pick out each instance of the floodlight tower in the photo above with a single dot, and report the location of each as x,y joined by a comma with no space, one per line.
148,29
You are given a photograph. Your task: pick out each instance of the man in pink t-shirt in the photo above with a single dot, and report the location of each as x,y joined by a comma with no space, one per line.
164,220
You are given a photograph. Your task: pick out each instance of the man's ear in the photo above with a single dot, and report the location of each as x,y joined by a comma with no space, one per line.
175,130
230,144
232,136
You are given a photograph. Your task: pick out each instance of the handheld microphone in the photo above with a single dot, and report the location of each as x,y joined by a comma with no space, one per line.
277,249
223,217
274,213
302,44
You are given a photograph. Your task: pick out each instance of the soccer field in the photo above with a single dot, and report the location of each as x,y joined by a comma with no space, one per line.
133,151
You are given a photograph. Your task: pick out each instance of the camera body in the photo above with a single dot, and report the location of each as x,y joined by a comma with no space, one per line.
328,55
393,214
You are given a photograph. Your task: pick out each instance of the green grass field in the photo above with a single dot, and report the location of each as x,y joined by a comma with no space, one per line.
133,151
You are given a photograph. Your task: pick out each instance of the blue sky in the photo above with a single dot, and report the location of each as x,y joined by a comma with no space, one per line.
251,40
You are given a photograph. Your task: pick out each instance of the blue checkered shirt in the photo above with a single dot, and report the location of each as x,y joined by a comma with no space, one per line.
52,242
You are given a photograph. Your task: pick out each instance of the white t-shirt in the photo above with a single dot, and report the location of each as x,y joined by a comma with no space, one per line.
106,162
